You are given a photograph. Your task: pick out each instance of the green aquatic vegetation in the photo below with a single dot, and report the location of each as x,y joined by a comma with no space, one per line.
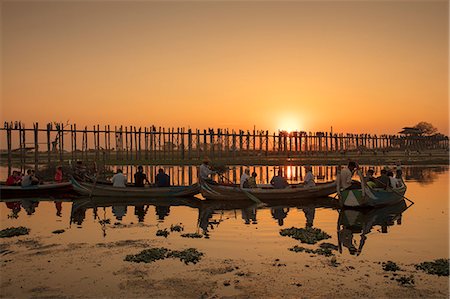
390,266
148,255
192,235
333,262
319,251
190,255
405,280
176,228
308,235
105,221
14,231
329,246
162,233
439,267
58,231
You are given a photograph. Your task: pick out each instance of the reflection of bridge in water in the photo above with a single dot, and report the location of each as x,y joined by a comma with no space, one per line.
187,175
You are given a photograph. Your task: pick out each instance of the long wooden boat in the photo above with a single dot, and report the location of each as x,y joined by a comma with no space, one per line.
369,198
147,191
46,189
265,192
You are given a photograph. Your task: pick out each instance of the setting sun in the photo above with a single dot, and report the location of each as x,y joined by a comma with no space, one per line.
290,123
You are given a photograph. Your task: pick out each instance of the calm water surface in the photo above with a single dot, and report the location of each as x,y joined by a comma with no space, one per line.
243,230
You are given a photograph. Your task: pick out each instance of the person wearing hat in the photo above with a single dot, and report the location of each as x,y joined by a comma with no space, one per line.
140,177
309,177
205,172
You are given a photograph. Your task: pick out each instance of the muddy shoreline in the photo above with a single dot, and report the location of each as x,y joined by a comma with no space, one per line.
31,267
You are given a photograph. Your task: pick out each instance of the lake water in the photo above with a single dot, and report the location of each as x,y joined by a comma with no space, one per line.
404,233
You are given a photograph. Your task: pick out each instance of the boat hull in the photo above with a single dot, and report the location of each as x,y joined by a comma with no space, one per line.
234,192
372,198
49,189
99,190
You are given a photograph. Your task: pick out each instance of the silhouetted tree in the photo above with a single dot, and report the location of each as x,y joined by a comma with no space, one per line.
426,128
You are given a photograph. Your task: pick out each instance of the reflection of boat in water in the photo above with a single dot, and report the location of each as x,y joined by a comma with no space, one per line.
360,222
46,189
129,192
265,192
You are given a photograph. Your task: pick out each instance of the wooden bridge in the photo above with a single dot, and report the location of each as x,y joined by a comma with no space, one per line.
58,142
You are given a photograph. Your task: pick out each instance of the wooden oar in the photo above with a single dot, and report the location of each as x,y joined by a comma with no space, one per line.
95,183
248,194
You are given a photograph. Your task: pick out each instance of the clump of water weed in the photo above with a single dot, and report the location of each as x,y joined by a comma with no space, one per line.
162,233
405,280
329,246
58,231
176,228
148,255
192,235
390,266
320,251
309,235
333,262
439,267
190,255
14,231
105,221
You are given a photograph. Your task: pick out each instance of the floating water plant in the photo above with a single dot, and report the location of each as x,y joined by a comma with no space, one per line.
148,255
58,231
176,228
190,255
320,251
405,280
329,246
14,231
437,267
162,233
105,221
390,266
307,235
192,235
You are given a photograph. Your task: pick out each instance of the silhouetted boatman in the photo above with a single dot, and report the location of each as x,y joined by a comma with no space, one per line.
140,177
162,179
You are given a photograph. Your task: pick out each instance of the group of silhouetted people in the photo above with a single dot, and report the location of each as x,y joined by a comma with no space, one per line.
162,179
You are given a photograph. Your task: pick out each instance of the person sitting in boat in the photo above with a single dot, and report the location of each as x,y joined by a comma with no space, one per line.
370,179
29,179
278,181
205,172
14,179
162,179
59,175
346,176
252,181
309,177
393,182
119,180
140,177
244,178
383,180
398,171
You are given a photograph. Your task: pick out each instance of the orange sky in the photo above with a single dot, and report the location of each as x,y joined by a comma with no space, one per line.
368,66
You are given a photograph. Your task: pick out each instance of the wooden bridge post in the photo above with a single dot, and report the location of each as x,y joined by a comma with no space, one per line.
48,144
9,145
36,146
